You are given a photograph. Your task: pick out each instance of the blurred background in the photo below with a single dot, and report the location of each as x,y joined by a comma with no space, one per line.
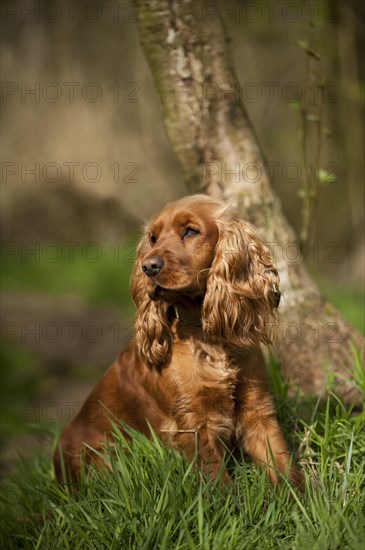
85,161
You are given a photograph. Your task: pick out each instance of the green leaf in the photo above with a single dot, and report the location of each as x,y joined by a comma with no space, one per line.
295,106
305,46
314,54
326,177
302,44
302,193
312,118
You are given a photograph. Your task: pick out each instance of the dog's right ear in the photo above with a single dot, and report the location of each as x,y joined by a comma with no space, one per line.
152,329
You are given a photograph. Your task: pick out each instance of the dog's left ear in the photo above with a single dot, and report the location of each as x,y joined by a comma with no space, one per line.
242,288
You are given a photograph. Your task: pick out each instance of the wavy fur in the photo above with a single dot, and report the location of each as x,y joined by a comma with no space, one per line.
204,286
239,304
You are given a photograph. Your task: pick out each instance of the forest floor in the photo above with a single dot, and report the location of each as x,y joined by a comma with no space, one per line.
61,347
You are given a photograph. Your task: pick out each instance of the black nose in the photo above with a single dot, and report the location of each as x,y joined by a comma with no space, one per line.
152,266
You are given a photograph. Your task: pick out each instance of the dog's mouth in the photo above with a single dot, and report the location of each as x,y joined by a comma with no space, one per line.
158,292
154,292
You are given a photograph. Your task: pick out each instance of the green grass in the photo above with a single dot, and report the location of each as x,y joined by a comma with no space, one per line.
20,380
98,273
153,499
350,301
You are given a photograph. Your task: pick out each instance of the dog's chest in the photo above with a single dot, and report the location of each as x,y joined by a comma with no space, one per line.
201,381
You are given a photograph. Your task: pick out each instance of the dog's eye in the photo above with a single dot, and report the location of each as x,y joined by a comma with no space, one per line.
190,232
153,239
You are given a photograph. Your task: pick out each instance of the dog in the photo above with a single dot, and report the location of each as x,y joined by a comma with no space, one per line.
206,292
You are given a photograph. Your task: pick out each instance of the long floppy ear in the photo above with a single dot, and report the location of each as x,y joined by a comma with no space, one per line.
151,328
242,288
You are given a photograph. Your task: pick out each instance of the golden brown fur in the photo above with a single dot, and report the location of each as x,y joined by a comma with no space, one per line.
206,293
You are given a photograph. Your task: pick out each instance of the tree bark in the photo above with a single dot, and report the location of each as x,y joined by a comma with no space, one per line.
210,132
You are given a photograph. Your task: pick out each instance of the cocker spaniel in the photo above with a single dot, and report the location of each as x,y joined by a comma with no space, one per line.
206,293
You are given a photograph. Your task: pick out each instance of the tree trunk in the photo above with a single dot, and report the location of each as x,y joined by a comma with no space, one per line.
209,131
